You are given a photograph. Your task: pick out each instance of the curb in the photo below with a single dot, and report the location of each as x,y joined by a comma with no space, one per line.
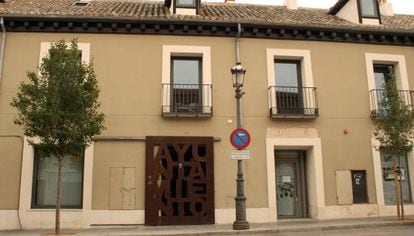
273,230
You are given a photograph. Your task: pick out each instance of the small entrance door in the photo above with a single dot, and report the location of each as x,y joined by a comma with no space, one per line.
179,181
290,184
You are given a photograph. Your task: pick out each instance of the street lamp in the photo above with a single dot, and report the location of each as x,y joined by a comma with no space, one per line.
237,73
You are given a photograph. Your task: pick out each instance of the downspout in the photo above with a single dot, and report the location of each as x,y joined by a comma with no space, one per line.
238,43
238,63
3,45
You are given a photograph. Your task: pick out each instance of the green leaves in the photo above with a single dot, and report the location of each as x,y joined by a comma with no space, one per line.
60,105
394,128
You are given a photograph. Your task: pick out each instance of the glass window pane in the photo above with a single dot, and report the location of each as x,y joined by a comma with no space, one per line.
186,3
286,73
288,82
380,74
387,164
368,8
46,181
186,71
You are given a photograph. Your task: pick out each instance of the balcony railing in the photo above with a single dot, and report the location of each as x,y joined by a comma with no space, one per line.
378,95
293,102
186,100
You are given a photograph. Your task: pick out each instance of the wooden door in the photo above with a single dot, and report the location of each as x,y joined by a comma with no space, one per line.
179,181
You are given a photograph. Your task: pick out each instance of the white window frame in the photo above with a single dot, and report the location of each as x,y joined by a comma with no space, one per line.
304,56
83,47
45,216
400,71
386,209
204,53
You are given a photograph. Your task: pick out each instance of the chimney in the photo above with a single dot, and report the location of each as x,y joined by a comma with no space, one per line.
291,4
386,8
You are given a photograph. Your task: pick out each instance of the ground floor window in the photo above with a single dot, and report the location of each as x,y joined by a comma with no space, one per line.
45,181
387,165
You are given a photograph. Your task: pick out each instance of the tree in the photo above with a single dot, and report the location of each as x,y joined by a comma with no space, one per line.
394,128
59,107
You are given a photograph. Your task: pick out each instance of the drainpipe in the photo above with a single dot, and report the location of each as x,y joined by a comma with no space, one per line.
3,45
238,43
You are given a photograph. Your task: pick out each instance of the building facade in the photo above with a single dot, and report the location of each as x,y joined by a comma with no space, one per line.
312,90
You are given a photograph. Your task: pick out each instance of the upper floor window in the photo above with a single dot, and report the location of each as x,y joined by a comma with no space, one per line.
369,8
382,78
381,75
291,91
186,3
186,84
184,7
288,73
84,51
378,67
186,81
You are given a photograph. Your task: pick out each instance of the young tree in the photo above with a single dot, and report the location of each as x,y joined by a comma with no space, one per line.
59,107
394,128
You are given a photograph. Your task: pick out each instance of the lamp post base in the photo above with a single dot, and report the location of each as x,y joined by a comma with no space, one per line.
241,225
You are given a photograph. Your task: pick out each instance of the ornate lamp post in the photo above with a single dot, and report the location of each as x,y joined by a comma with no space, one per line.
238,72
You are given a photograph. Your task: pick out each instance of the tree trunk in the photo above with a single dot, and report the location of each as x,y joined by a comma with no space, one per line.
401,188
397,197
58,191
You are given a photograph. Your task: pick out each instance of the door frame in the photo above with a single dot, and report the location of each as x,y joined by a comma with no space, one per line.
302,202
280,140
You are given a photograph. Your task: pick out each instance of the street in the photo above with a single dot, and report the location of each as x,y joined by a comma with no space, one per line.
405,230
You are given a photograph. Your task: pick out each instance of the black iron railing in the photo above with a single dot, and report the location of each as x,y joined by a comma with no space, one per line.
293,102
186,100
377,97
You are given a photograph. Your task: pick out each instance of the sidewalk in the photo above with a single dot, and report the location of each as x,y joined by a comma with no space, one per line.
300,225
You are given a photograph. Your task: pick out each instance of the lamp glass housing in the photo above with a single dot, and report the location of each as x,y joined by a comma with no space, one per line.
237,74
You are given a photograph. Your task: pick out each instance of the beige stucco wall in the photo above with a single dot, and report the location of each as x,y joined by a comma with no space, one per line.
129,73
109,155
10,163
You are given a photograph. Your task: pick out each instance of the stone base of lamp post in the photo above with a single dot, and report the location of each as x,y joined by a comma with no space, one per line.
241,225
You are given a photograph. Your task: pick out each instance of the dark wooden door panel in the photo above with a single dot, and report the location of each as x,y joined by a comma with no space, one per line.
359,186
179,181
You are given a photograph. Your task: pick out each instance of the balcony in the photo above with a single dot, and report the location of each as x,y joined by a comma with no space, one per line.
293,102
186,100
376,97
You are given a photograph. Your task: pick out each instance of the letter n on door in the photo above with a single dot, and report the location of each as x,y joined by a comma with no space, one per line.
122,188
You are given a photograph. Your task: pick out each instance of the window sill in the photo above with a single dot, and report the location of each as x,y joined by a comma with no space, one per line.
311,114
54,210
186,115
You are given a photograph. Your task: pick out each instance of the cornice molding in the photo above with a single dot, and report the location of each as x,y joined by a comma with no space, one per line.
126,26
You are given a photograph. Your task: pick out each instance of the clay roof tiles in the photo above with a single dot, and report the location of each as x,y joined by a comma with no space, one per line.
209,12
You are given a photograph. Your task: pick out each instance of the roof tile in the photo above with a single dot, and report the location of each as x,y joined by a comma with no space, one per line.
209,12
